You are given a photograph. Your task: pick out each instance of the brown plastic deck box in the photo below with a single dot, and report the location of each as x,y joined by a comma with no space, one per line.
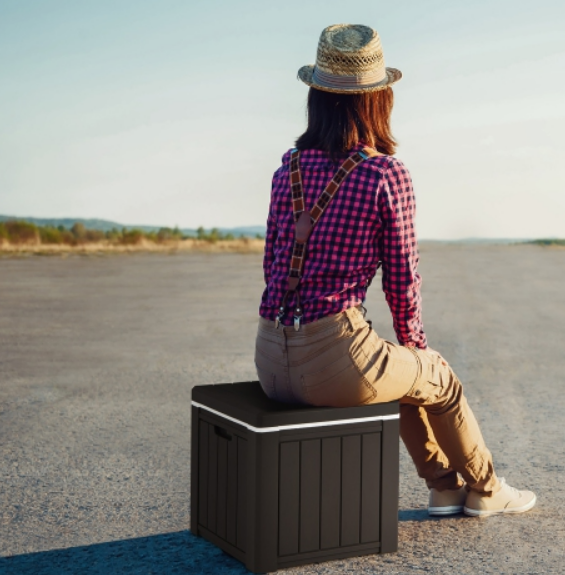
277,485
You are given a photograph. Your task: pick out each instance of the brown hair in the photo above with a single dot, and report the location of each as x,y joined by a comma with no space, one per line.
337,122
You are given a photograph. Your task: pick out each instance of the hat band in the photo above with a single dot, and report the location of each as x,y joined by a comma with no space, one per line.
338,81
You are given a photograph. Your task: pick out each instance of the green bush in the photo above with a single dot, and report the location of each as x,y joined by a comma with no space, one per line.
58,235
114,235
49,235
93,235
68,237
79,231
213,236
21,232
131,237
166,234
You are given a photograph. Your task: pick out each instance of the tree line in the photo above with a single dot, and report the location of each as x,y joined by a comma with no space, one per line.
21,232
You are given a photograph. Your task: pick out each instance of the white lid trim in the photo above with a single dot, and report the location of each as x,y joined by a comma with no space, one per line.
298,425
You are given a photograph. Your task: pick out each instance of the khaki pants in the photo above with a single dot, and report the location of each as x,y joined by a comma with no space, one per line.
340,361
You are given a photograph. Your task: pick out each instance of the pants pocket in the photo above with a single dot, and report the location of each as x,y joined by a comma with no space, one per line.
337,384
436,374
429,387
389,368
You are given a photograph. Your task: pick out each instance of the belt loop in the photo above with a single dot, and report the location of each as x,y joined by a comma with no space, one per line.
355,318
348,315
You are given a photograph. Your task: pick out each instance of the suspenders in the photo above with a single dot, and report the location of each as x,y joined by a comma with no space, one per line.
304,221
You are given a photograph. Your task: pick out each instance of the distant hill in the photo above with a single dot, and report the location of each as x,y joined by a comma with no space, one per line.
91,224
106,225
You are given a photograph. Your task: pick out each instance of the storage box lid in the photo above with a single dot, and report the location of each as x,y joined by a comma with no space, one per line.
247,404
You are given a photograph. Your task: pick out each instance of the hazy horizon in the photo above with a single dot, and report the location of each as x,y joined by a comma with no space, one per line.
97,223
178,113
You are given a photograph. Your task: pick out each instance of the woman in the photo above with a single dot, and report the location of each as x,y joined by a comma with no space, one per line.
341,206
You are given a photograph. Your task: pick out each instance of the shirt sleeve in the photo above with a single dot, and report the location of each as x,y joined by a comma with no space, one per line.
270,237
398,252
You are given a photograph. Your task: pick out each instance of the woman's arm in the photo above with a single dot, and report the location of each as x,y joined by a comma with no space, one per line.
270,237
398,251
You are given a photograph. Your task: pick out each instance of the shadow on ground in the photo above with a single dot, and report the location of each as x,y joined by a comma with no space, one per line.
165,554
421,515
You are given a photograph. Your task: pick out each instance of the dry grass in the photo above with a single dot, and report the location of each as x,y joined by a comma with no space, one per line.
239,246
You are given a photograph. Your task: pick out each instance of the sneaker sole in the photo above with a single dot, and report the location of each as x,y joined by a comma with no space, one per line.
449,510
484,513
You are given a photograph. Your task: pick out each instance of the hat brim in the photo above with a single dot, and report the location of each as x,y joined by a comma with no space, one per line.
306,74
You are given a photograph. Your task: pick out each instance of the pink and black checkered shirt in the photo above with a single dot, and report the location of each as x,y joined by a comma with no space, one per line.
370,220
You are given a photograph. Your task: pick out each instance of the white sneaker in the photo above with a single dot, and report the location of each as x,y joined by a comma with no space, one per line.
506,500
447,502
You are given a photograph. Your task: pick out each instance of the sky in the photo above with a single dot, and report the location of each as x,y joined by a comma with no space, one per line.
177,112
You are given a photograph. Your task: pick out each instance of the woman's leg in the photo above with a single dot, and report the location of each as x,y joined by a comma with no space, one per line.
439,393
431,463
438,427
437,424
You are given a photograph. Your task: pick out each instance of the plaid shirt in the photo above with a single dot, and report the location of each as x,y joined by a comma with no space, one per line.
369,221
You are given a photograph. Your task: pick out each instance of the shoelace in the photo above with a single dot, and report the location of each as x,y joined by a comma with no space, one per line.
509,487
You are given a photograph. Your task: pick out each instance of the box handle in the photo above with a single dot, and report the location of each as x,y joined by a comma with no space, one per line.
222,432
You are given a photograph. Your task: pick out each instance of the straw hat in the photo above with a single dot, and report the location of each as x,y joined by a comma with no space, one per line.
349,61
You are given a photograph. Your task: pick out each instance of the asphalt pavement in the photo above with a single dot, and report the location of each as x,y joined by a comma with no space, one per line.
98,355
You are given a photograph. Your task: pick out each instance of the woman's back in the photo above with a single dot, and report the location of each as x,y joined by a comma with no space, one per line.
370,219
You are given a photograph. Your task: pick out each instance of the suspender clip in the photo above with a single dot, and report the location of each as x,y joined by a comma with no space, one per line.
297,318
280,315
